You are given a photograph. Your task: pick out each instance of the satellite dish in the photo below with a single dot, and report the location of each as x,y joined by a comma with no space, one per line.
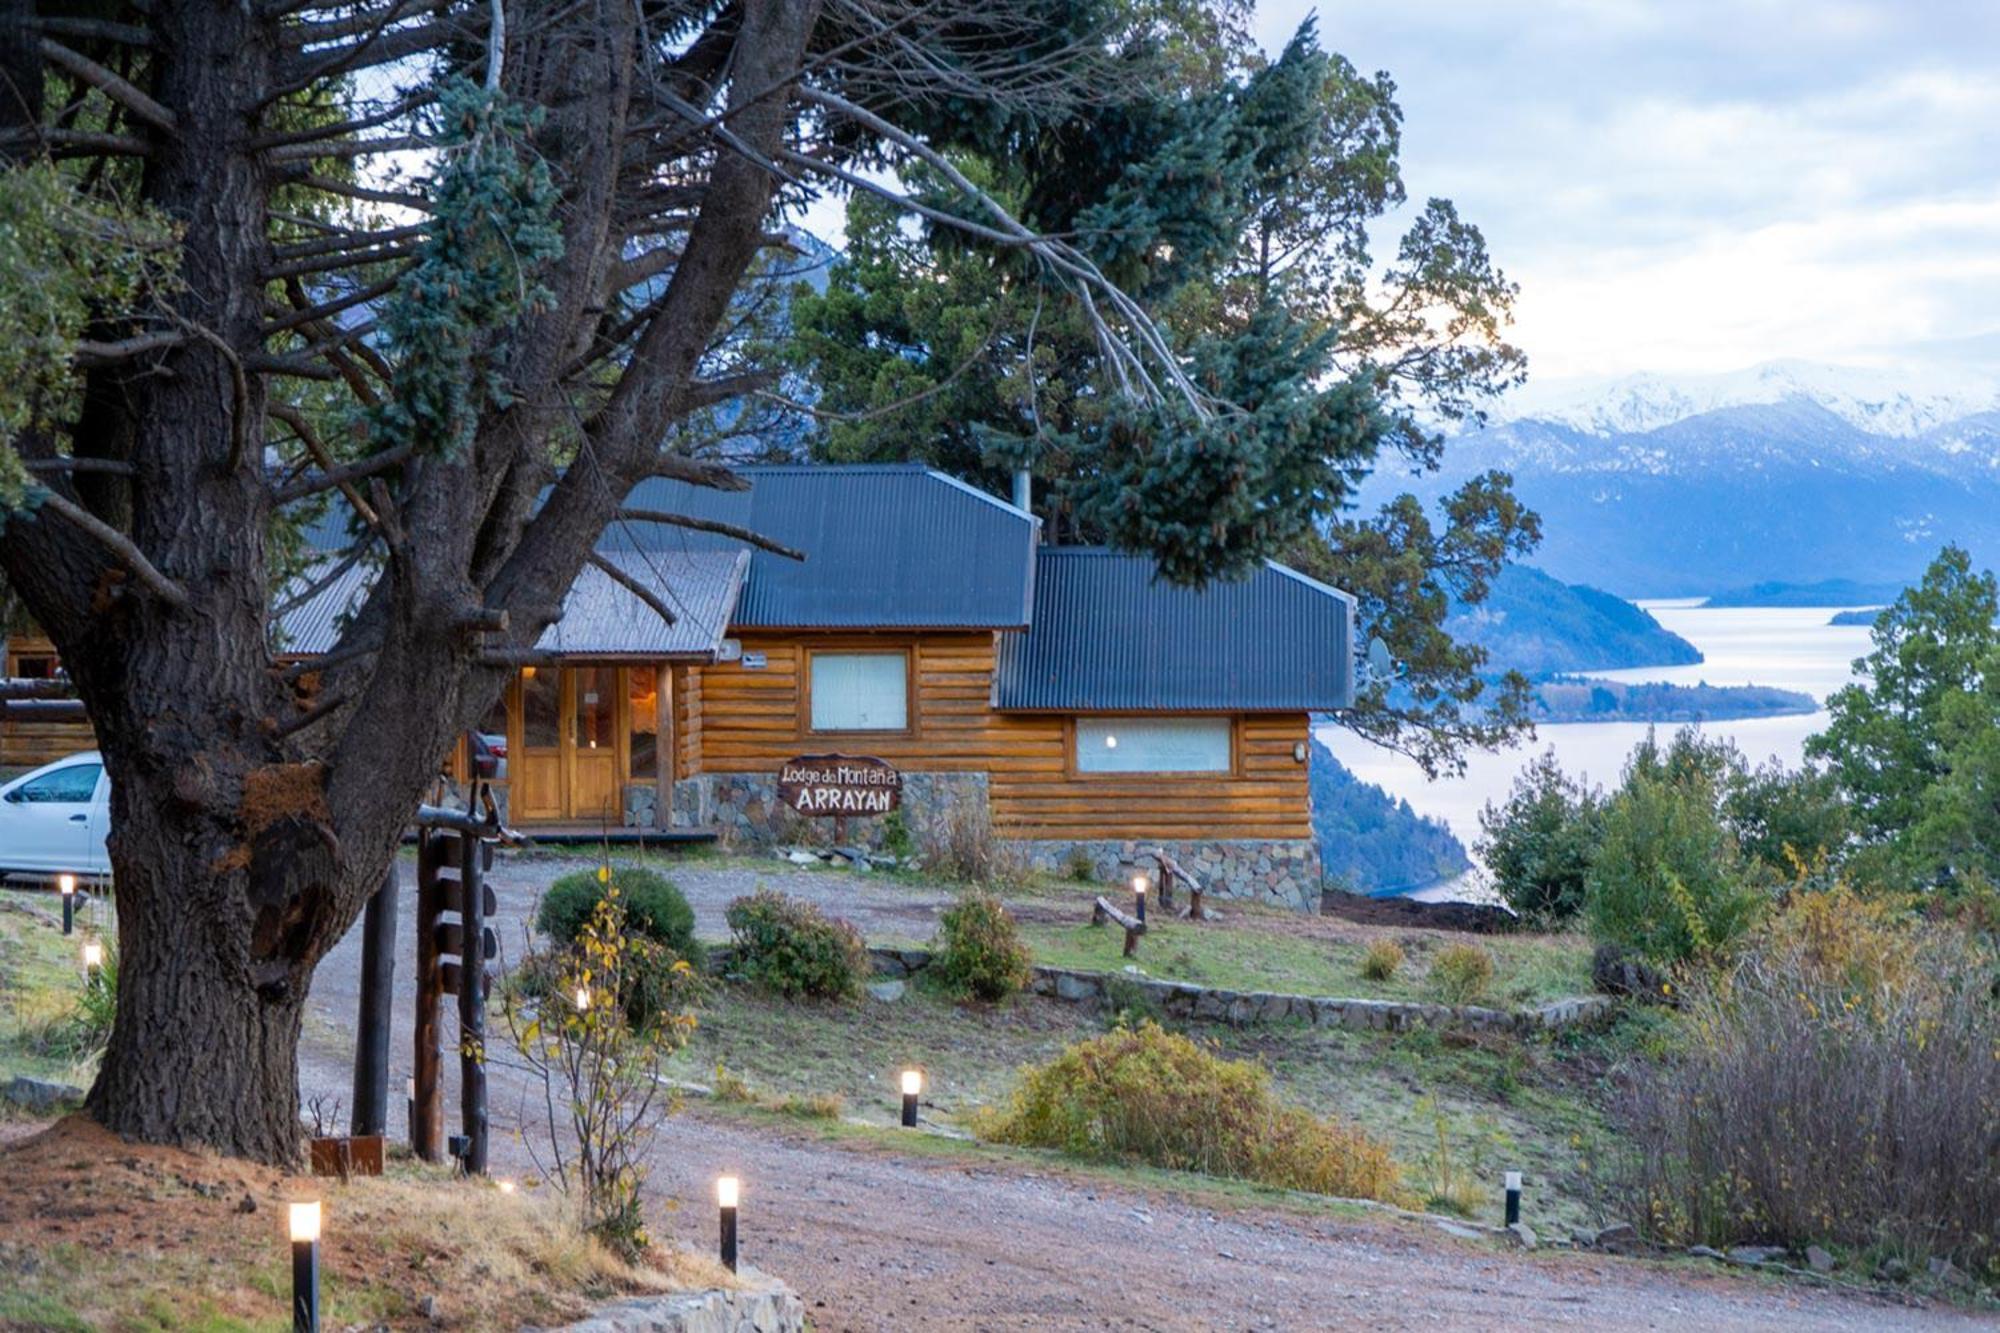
1379,665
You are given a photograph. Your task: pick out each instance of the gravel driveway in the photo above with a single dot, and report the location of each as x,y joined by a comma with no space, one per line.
876,1239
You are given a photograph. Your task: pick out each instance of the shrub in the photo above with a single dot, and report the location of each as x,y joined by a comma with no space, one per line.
1383,961
1540,843
895,835
980,952
1461,973
1147,1095
1668,881
791,947
602,1074
654,907
1837,1084
960,844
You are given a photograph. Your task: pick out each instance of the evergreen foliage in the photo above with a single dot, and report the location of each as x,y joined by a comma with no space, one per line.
1913,742
1233,195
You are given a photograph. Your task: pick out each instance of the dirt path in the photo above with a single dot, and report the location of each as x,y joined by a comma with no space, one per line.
877,1239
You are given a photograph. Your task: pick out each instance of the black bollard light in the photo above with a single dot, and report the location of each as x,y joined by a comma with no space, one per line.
1513,1197
410,1106
1139,887
727,1188
913,1084
305,1267
67,883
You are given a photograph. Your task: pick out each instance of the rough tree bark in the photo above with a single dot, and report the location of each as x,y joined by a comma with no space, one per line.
250,821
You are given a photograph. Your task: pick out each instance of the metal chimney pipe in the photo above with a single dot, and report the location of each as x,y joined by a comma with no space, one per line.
1024,488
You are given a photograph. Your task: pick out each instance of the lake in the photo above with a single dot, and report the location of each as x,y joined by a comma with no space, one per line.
1789,647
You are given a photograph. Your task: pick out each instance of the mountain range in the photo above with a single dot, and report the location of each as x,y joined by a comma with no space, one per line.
1657,486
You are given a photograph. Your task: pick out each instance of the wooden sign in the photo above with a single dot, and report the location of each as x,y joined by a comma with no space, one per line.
840,784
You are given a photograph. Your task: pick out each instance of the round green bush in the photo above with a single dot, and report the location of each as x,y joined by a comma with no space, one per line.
790,946
654,907
980,952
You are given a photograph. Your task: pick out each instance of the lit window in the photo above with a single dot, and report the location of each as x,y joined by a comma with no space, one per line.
860,692
1152,745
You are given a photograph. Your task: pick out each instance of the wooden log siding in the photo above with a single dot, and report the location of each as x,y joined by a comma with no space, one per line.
747,720
30,742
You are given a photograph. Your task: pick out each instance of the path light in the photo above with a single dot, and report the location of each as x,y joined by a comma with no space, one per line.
506,1187
1513,1197
1139,887
93,959
582,999
305,1267
727,1188
67,883
913,1083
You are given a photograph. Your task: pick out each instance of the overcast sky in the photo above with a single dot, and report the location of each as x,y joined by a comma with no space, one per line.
1689,185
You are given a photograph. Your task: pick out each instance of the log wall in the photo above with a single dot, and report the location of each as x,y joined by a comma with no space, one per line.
750,719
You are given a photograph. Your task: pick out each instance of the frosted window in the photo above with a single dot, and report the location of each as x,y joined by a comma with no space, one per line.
860,692
1152,745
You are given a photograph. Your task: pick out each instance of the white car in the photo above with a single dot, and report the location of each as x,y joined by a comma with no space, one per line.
55,819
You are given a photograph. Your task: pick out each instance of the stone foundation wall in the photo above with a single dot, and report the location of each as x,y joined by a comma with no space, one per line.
744,808
1279,873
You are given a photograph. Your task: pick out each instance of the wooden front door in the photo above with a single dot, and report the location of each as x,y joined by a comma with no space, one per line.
536,772
592,736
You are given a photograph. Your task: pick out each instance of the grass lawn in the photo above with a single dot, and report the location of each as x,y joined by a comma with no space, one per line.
1456,1111
1280,952
41,975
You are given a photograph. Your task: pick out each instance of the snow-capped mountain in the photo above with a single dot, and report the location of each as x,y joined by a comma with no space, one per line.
1899,402
1656,485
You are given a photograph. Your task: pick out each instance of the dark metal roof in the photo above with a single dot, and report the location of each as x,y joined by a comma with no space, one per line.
887,546
1109,635
601,618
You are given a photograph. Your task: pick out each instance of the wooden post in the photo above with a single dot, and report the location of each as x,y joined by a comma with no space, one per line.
1103,911
665,743
427,1133
472,1000
378,993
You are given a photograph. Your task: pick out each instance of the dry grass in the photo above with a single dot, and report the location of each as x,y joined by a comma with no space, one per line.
99,1233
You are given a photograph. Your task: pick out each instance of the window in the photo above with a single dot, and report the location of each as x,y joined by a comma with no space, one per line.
1152,745
643,733
860,691
596,707
74,785
541,708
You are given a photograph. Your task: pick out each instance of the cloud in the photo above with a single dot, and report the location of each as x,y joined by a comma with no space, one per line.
1698,185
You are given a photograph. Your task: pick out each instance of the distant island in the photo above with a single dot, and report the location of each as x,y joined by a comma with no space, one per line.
1540,626
1866,616
1570,699
1826,592
1372,843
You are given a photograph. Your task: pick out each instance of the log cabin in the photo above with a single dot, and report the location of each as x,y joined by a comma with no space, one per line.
1061,699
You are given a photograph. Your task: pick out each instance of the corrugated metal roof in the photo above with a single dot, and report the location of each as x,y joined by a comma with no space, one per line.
887,546
1109,635
600,616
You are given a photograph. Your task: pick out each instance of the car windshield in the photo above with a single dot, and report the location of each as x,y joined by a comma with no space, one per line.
74,784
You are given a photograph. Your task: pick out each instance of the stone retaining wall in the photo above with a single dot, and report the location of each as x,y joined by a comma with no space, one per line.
1277,872
762,1305
1205,1004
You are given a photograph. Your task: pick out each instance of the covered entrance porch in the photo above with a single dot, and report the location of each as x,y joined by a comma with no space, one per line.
583,743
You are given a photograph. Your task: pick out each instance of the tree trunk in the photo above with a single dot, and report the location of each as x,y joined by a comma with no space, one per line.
199,1054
